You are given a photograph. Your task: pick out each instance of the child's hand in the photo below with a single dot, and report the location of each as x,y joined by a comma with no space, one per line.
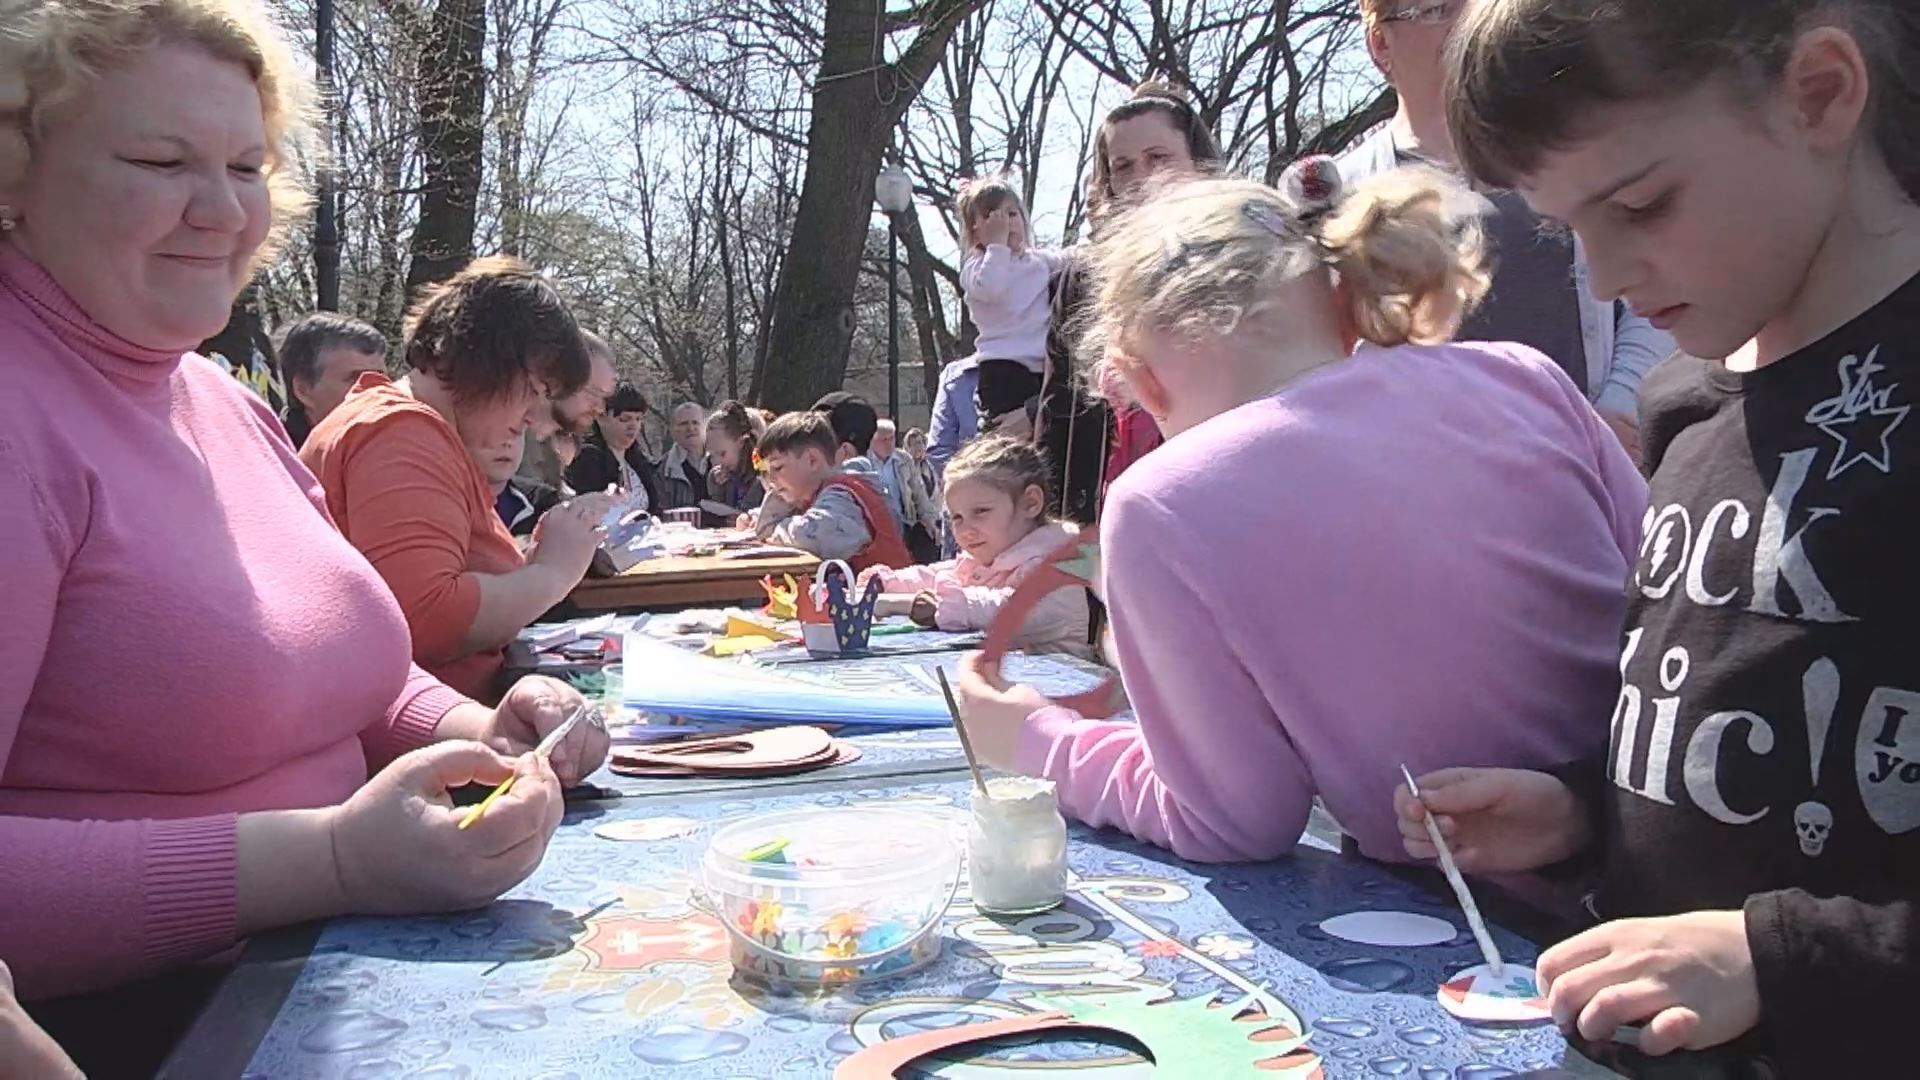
924,609
995,228
1495,820
1688,978
1627,430
994,710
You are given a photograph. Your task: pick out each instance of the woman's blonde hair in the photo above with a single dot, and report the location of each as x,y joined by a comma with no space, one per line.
51,52
978,198
1208,258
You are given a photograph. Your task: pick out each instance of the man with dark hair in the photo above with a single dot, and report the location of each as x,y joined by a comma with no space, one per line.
569,417
854,422
612,455
320,356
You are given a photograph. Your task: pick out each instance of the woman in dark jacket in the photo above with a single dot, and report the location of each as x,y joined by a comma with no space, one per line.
611,454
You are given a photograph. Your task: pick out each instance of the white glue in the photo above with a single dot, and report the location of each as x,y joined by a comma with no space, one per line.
1017,847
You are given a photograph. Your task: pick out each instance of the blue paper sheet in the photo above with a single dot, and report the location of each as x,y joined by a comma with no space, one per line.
894,690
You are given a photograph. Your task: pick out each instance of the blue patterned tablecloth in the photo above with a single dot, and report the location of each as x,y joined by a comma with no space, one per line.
601,965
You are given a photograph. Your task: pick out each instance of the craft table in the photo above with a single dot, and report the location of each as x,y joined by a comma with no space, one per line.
678,581
598,967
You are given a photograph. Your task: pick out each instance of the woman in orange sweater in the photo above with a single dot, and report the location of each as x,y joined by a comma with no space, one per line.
488,351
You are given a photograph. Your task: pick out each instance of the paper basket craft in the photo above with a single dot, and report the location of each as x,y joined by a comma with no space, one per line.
838,620
1073,565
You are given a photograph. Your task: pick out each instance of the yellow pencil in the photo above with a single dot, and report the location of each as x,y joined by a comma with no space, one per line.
545,749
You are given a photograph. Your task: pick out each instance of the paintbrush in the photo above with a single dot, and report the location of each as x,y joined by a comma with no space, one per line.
960,729
1452,870
545,749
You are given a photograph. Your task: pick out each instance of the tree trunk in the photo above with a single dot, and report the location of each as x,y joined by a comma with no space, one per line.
937,344
855,109
452,129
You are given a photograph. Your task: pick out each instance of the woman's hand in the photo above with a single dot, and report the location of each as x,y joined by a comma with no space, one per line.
566,538
1687,978
25,1049
398,847
1494,820
535,706
994,710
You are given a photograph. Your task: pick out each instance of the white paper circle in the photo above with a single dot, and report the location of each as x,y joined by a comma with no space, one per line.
1390,929
646,829
1476,996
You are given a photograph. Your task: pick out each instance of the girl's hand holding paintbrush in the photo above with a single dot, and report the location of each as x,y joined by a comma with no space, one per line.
1495,820
995,710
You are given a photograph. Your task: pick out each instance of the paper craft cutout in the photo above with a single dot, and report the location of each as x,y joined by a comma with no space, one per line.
744,635
646,830
834,621
772,752
1074,565
1389,929
1196,1036
1476,996
782,603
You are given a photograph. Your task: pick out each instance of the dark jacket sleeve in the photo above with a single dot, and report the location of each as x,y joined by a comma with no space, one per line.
593,469
1838,980
649,474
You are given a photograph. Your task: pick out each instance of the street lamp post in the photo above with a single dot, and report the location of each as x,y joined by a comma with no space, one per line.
326,221
893,190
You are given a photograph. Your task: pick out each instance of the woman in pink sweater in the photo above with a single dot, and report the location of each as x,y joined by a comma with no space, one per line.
1339,561
997,497
196,670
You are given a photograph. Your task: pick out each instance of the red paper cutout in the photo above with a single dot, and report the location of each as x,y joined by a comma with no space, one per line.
1071,565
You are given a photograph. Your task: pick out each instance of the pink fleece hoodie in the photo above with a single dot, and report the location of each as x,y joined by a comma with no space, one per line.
969,595
186,638
1414,555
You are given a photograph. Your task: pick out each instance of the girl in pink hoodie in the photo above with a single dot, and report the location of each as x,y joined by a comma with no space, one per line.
996,493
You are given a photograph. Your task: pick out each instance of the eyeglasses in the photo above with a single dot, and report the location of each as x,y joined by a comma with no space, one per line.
1437,13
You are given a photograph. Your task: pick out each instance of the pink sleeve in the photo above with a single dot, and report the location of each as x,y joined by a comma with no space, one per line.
1623,492
1208,771
1626,488
968,607
913,579
411,721
92,904
984,277
89,904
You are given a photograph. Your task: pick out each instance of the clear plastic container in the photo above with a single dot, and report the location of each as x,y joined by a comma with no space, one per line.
832,894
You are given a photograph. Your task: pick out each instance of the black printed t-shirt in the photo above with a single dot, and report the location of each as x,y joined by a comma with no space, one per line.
1766,743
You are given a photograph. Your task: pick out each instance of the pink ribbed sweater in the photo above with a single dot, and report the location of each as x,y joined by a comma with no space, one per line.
184,637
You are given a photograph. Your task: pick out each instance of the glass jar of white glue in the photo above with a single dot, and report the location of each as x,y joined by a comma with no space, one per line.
1017,847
